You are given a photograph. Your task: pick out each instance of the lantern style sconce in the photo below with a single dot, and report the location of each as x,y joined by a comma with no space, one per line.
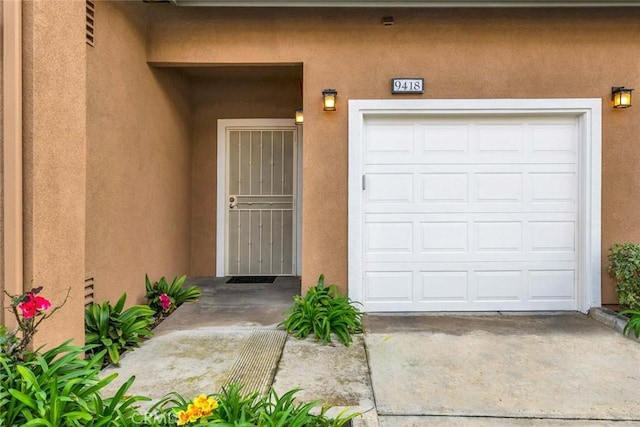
299,116
329,96
621,97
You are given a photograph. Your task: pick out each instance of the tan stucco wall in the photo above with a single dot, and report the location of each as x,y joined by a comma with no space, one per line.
54,161
2,312
138,159
225,99
462,53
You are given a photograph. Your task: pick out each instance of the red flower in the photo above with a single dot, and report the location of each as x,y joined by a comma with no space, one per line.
33,305
165,301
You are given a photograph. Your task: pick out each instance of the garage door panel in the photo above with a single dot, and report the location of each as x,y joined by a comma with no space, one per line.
471,214
499,139
498,285
553,236
498,187
475,306
460,208
387,237
462,238
463,158
390,139
554,139
444,187
390,188
389,286
462,257
444,286
439,237
553,187
444,139
499,236
441,189
549,285
475,289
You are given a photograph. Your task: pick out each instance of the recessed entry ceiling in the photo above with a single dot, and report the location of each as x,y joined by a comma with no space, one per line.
262,72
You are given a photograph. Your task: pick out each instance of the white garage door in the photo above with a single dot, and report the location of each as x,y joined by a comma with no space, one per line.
470,213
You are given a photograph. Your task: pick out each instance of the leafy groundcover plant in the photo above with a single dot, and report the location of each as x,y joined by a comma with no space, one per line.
234,408
115,330
624,267
633,325
56,387
321,312
59,388
164,297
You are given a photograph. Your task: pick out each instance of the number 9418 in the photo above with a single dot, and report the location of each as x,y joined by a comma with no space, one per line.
407,85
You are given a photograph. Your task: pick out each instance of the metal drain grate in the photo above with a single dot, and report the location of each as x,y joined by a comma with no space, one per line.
256,366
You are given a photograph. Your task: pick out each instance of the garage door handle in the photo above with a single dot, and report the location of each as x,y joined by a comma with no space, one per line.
364,182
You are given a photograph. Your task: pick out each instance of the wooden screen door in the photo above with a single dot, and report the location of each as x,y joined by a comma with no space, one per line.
260,201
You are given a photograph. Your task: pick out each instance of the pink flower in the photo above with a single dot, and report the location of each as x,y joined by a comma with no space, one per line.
41,303
165,301
33,305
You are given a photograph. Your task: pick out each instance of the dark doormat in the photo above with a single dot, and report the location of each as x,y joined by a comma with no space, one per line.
251,279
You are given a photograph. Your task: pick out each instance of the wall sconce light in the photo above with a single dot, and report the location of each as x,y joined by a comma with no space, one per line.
621,97
299,116
329,96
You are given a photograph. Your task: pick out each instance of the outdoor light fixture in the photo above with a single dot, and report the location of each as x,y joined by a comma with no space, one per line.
299,116
329,96
621,97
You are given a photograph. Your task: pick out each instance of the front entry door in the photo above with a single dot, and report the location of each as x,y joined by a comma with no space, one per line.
260,201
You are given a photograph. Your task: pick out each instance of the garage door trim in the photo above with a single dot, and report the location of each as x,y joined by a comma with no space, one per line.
588,113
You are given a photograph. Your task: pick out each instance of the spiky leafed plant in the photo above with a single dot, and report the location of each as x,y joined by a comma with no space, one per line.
177,293
321,312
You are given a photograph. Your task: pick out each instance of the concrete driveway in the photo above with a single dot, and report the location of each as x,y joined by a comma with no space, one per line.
502,370
406,370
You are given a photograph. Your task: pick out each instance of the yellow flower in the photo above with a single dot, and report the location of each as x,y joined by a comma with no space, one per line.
194,413
205,404
183,418
200,401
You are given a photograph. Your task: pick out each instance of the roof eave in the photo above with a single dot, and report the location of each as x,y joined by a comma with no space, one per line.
409,3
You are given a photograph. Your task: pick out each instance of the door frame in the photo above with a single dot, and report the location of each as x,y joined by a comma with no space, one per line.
221,186
588,112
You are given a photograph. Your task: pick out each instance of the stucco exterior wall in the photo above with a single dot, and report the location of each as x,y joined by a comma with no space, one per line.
138,159
54,72
461,53
2,312
273,99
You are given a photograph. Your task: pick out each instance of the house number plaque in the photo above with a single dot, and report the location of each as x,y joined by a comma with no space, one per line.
407,85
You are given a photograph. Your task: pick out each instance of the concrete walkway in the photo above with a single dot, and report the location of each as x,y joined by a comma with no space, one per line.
407,370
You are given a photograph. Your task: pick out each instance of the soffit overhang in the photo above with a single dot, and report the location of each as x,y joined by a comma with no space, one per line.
409,3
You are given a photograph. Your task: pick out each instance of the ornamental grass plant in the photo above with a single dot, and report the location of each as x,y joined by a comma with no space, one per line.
233,407
60,388
114,329
322,312
164,297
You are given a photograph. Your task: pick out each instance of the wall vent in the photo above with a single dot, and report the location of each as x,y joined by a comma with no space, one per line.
91,14
88,291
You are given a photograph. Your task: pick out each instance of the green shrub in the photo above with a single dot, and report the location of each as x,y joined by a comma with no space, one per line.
624,267
59,388
110,328
323,311
234,408
177,293
633,325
